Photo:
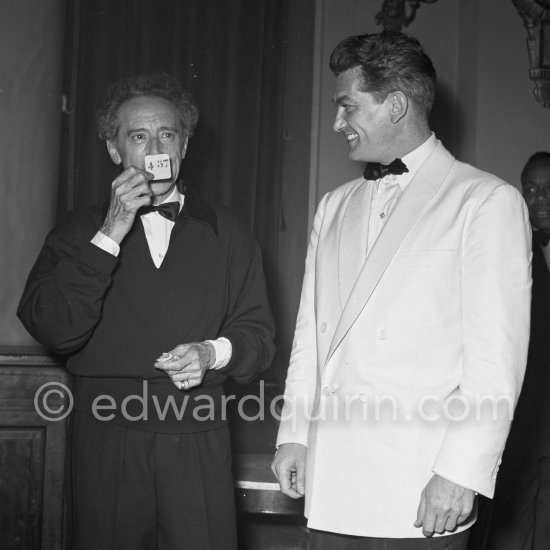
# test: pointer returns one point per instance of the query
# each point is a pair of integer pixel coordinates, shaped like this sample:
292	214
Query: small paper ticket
159	166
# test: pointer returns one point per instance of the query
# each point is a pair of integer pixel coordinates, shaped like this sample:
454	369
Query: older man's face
149	126
535	181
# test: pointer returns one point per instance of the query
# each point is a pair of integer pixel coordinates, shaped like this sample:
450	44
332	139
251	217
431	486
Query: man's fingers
285	480
193	380
301	479
197	357
443	505
292	493
287	484
183	366
289	468
463	517
435	520
451	523
131	177
421	511
441	521
131	189
173	361
428	523
132	198
174	366
184	385
467	505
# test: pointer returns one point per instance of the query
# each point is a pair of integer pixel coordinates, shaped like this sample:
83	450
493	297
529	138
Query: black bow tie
541	238
169	210
375	170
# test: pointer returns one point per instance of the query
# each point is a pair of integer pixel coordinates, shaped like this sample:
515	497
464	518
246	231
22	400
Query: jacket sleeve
302	372
63	297
248	325
496	294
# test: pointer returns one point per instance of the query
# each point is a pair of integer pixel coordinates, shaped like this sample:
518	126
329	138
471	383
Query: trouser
521	511
322	540
140	490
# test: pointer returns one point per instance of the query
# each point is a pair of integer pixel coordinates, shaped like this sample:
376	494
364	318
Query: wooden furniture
32	451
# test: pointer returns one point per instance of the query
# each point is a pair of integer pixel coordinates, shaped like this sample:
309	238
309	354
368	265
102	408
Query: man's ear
399	106
113	152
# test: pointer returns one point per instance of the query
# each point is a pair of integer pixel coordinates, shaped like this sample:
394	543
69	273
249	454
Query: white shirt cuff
106	243
223	349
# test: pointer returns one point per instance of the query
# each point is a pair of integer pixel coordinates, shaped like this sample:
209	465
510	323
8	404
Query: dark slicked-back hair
389	61
153	85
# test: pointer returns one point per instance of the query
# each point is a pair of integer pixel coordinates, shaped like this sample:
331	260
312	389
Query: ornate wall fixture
536	17
394	16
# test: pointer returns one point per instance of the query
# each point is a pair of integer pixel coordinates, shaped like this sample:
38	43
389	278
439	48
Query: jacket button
326	391
324	327
383	334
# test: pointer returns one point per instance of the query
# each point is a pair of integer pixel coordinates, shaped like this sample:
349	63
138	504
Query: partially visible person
156	297
521	508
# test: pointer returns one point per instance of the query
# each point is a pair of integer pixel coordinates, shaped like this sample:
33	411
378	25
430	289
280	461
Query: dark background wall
31	58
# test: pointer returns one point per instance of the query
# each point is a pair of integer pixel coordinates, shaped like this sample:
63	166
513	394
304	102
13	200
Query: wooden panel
21	484
32	451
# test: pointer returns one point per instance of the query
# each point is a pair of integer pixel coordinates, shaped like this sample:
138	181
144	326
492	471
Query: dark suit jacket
529	438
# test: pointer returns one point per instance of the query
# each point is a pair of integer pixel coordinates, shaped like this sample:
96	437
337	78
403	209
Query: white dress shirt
388	190
157	230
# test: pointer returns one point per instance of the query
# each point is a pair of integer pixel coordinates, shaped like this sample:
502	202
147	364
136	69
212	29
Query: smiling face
366	123
535	181
149	126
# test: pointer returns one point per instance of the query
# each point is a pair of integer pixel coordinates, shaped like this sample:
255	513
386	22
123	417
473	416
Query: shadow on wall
446	119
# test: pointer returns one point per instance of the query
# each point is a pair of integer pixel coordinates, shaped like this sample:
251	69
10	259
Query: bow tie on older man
168	210
376	170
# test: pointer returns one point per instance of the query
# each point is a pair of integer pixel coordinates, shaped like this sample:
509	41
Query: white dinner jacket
398	359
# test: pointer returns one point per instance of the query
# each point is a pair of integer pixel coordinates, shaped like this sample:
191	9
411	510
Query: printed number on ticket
159	166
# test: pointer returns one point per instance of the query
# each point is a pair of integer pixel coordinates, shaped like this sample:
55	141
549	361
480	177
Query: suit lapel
352	242
412	203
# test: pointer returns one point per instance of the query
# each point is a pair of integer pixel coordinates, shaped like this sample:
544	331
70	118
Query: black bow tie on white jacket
376	170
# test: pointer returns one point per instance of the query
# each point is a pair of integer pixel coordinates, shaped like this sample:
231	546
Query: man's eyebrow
145	130
136	130
170	129
341	99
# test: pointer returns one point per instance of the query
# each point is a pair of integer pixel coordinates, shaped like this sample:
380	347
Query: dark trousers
322	540
139	490
521	511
